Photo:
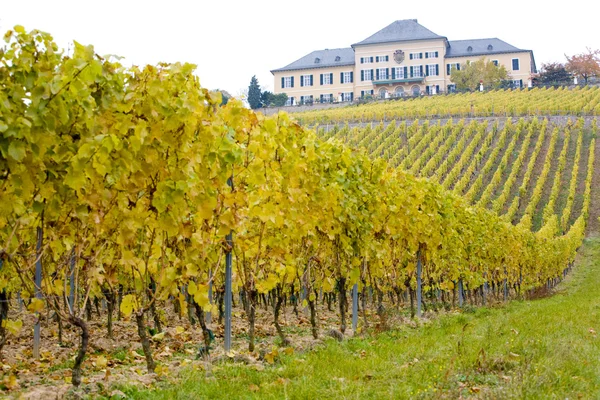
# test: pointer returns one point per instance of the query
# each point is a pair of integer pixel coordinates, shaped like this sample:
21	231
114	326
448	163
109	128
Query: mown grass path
545	348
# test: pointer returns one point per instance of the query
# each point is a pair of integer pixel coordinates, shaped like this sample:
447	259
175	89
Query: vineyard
498	103
528	172
134	207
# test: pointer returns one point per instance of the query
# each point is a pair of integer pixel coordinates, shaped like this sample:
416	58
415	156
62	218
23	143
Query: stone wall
294	109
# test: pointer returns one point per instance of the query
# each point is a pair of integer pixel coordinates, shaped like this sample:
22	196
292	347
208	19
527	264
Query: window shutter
447	69
421	69
301	81
411	55
427	55
311	81
421	55
458	66
427	70
362	60
393	73
411	72
437	69
405	72
387	73
292	81
341	77
371	59
321	99
371	74
301	99
362	93
437	88
377	72
351	76
282	82
362	75
321	79
520	83
436	54
377	59
351	96
387	58
331	78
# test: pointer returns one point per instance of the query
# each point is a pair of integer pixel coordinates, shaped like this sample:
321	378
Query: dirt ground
120	360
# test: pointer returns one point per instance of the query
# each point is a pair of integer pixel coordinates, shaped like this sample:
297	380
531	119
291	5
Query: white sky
232	40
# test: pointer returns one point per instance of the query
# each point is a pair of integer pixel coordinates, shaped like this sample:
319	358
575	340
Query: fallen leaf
289	351
253	388
10	382
101	362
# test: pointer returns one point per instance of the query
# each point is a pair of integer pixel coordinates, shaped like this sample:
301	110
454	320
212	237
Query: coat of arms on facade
399	56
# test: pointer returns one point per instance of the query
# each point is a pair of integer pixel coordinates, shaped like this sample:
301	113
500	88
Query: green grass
544	349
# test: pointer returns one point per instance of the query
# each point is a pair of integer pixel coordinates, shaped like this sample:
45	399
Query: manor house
404	58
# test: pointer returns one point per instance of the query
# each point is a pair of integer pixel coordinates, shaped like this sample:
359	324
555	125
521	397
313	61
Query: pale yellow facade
523	73
321	85
421	66
405	88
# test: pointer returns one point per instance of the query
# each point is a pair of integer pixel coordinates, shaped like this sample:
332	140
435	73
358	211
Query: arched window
490	47
399	91
382	93
416	90
337	58
317	60
469	49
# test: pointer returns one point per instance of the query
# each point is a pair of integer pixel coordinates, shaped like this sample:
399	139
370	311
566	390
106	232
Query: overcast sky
232	40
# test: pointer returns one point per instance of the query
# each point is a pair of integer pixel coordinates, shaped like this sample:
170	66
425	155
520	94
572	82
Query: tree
266	98
279	100
225	96
254	94
472	74
554	74
585	65
269	99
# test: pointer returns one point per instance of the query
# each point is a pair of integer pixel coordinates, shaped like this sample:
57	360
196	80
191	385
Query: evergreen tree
254	95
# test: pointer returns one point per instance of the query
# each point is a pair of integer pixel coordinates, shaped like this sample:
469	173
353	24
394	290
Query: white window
306	80
367	76
515	64
287	81
306	99
382	58
451	88
516	83
431	54
431	70
326	79
326	98
364	93
416	71
290	101
383	73
347	96
366	60
416	56
347	77
495	62
399	73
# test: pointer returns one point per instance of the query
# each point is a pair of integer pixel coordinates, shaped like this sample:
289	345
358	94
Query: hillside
579	101
523	169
